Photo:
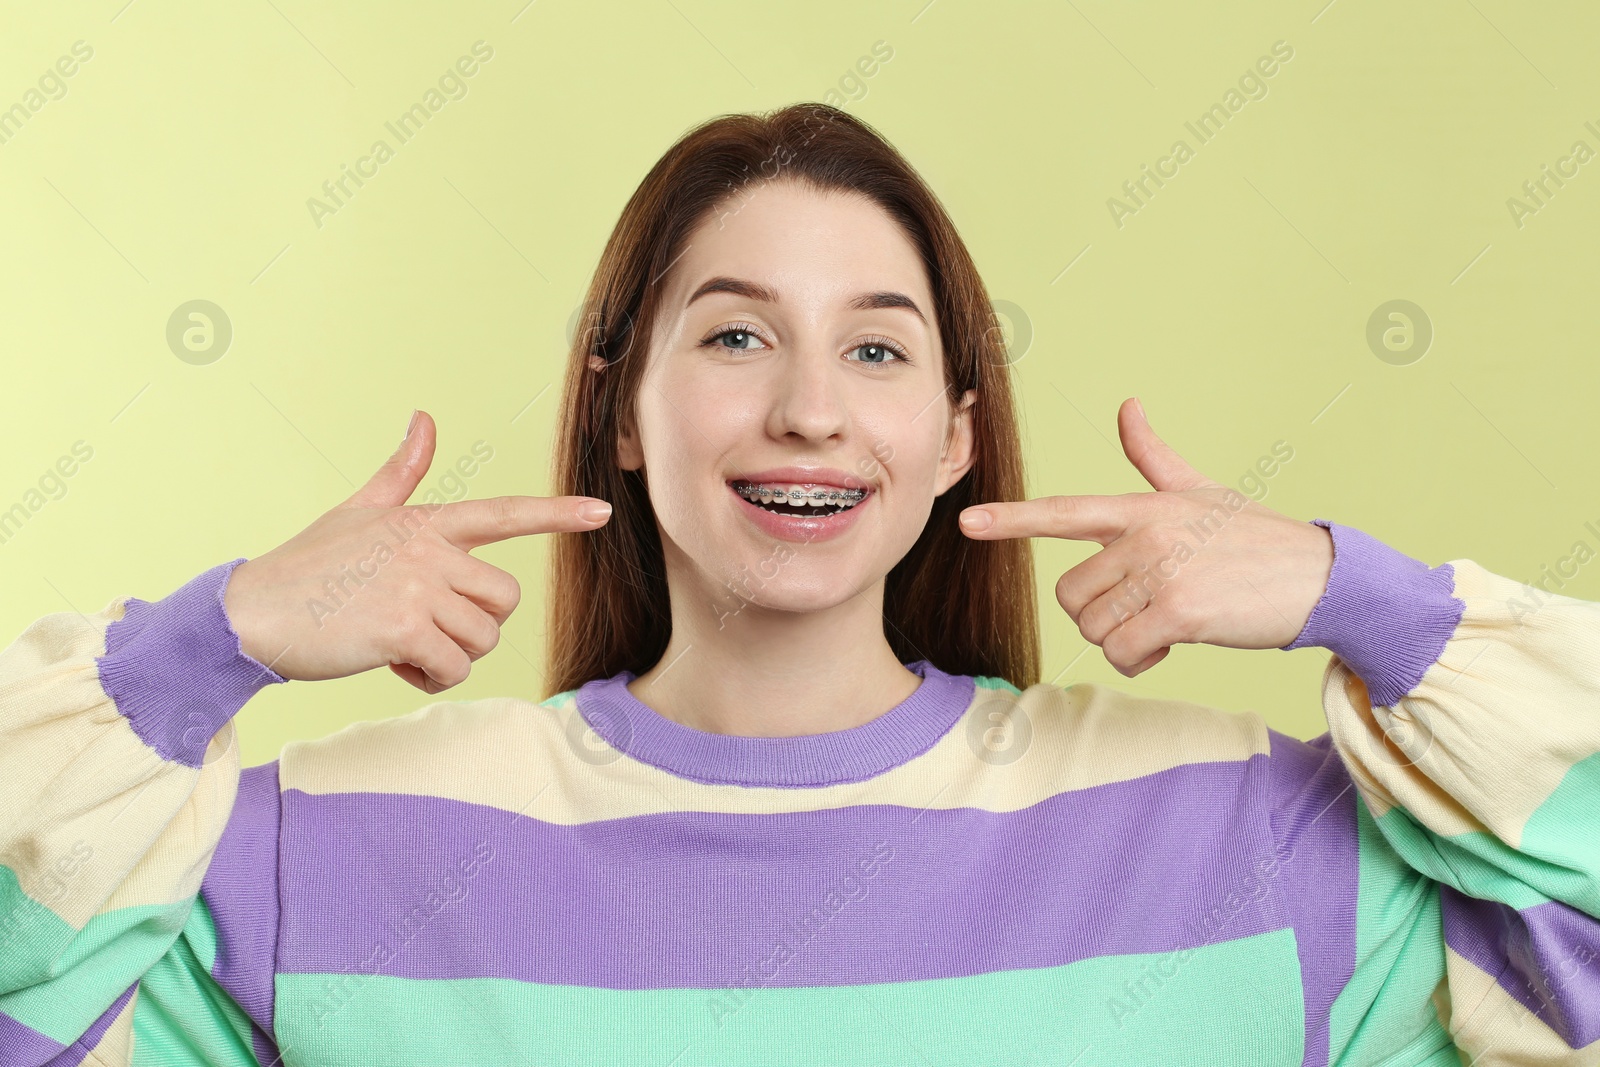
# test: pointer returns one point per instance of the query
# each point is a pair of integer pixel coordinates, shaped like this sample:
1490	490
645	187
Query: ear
630	453
630	456
960	448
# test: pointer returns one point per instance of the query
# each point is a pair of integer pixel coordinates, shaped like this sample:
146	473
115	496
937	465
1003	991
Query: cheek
901	449
688	441
686	406
911	483
904	462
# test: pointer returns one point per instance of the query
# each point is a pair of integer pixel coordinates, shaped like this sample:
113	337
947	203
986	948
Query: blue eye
747	336
743	333
742	337
881	349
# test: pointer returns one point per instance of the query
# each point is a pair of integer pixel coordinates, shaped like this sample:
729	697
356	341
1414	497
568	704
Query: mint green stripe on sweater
59	979
1558	858
1385	1006
1235	1002
1561	831
984	681
182	1018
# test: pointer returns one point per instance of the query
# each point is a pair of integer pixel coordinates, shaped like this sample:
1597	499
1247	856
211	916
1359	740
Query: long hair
966	606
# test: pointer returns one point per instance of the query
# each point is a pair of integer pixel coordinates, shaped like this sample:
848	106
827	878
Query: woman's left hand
1194	561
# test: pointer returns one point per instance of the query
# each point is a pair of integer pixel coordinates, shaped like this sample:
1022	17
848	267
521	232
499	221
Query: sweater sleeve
1465	709
119	774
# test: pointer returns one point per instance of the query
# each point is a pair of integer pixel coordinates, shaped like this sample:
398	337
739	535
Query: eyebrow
755	291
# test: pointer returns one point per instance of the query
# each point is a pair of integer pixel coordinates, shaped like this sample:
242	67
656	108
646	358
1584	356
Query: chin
777	589
804	604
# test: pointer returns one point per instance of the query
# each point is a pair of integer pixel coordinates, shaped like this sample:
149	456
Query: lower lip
804	528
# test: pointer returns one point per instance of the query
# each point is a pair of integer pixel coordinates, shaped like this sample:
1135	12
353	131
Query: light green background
179	162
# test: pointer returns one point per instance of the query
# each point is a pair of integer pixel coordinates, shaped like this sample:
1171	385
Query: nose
809	400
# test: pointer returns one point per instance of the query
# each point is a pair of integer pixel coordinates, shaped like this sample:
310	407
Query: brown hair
966	606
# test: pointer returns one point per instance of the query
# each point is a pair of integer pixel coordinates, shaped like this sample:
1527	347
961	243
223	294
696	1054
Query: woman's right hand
376	581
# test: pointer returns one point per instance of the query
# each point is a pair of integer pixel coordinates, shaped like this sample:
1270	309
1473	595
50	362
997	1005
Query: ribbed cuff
176	669
1386	615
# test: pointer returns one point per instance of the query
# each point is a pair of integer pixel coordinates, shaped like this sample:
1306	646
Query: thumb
395	481
1161	466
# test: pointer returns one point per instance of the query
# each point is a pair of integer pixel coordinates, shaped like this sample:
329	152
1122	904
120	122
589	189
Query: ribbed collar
906	730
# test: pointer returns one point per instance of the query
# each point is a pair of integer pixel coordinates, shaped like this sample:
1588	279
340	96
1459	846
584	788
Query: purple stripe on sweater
175	667
80	1048
1546	956
906	730
91	1037
426	887
1385	614
241	891
1314	822
23	1046
267	1054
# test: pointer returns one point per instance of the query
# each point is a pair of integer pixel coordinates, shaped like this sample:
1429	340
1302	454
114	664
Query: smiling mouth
798	498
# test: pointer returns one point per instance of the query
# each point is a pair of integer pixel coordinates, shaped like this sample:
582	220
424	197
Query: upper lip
829	476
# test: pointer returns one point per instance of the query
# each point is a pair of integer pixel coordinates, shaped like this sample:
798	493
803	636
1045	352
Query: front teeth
800	494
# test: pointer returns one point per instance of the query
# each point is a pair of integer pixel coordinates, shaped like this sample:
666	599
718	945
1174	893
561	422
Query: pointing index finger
1080	518
467	524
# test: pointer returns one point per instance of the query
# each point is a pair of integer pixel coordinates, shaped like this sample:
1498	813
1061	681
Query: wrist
1384	613
176	670
235	601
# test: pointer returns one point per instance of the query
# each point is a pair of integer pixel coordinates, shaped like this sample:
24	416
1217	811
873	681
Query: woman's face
796	348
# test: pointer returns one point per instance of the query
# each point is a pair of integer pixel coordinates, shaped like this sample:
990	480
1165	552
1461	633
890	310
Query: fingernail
1140	405
594	510
977	520
412	425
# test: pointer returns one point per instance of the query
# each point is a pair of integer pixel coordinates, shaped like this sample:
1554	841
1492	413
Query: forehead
816	249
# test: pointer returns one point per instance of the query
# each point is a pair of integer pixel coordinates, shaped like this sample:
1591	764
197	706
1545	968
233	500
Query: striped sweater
980	875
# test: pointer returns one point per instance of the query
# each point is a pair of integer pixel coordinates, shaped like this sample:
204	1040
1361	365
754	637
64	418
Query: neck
735	667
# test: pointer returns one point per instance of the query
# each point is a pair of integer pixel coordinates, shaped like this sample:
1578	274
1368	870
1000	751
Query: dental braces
817	496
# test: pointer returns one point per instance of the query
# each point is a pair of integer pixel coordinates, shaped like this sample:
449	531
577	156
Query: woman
796	793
